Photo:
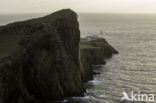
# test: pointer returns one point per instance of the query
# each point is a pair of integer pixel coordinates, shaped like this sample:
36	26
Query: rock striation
93	51
40	59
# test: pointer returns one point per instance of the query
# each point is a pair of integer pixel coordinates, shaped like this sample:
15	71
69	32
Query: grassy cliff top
93	43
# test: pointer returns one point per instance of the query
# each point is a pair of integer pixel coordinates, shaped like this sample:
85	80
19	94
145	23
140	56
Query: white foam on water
65	101
102	96
95	82
81	98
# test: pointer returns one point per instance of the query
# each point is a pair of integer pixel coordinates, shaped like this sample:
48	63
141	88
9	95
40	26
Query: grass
86	46
8	44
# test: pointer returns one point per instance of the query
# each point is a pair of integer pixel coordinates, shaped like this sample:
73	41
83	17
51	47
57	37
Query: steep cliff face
93	52
40	59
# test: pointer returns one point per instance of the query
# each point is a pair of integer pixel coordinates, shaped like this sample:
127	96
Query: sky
81	6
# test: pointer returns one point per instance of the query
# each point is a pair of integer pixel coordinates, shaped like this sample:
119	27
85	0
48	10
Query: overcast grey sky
92	6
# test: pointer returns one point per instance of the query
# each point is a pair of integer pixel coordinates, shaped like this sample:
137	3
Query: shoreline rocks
93	52
40	59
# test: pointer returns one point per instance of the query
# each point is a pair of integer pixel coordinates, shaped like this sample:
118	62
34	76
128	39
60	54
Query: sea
130	76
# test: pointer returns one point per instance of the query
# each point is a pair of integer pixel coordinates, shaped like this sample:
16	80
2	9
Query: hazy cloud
30	6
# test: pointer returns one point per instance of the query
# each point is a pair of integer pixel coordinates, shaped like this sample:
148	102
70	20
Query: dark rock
93	51
41	61
44	63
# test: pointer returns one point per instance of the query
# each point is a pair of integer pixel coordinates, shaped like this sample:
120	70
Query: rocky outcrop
40	59
44	61
93	51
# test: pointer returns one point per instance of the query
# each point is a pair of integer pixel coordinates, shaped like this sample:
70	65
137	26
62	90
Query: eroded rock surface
40	59
93	51
43	62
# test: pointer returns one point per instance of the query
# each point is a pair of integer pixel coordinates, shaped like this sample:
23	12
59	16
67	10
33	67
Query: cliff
93	51
40	59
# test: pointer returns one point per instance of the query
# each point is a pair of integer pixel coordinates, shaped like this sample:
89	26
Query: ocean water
132	70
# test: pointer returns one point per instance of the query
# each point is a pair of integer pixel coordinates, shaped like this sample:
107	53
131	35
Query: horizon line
18	13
